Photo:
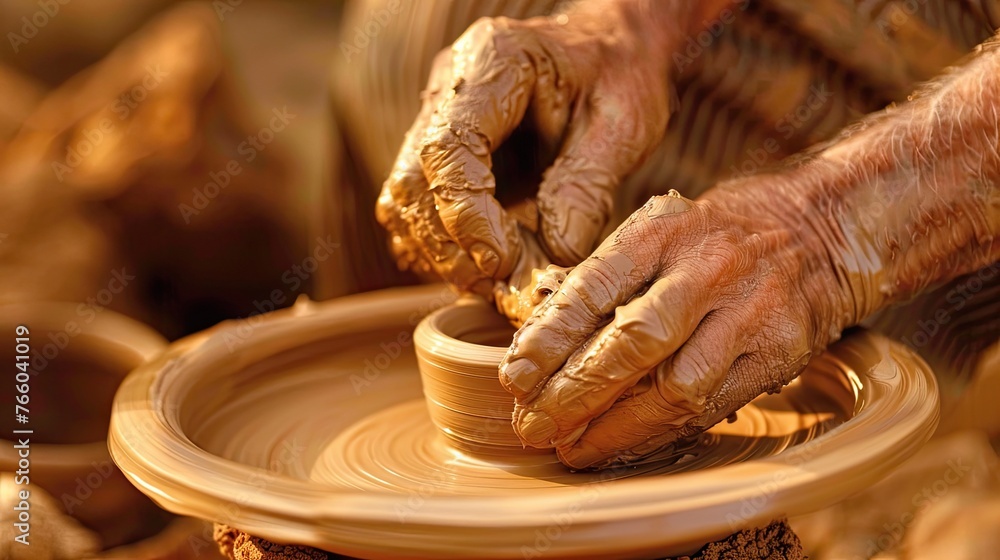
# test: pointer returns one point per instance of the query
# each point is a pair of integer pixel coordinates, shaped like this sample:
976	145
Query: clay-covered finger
587	296
604	144
399	195
443	255
687	403
494	76
644	333
406	182
672	404
406	207
624	265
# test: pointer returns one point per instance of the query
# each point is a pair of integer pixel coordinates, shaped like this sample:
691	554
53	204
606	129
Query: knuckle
483	26
441	63
436	140
640	337
593	285
683	384
692	364
386	212
500	34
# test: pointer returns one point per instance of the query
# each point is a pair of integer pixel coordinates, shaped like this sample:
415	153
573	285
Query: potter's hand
690	310
593	82
712	302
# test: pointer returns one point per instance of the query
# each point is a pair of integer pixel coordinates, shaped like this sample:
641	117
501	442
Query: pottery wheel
308	425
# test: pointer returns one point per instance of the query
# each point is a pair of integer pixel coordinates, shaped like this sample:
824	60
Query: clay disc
308	426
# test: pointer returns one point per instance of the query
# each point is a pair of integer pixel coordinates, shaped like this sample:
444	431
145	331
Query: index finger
492	85
627	262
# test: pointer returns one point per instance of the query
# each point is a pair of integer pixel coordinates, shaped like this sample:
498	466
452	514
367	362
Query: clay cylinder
459	349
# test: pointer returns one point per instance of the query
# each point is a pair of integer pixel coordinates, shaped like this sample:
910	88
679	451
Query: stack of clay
459	349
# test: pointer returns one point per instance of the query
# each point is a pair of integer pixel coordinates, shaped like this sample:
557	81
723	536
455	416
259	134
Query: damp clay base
309	426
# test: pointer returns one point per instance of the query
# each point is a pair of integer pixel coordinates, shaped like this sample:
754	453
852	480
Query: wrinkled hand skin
590	81
693	308
689	309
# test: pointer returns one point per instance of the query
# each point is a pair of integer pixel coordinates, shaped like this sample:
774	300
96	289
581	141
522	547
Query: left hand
690	310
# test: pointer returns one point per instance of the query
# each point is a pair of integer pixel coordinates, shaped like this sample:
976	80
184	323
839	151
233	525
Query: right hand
590	83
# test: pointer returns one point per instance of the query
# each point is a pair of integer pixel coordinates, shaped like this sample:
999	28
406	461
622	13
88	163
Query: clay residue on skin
529	287
909	198
767	272
438	202
657	336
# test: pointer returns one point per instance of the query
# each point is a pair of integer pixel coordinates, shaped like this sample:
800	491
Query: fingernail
582	455
537	428
485	257
520	374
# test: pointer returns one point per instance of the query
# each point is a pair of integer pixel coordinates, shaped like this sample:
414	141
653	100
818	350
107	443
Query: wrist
823	208
796	205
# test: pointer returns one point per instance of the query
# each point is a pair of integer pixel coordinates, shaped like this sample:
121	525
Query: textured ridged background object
308	426
80	355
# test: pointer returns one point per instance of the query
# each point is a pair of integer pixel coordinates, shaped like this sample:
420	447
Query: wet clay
325	407
714	301
438	202
659	334
815	258
460	346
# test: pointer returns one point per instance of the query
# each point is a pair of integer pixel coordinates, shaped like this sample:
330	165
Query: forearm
912	197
